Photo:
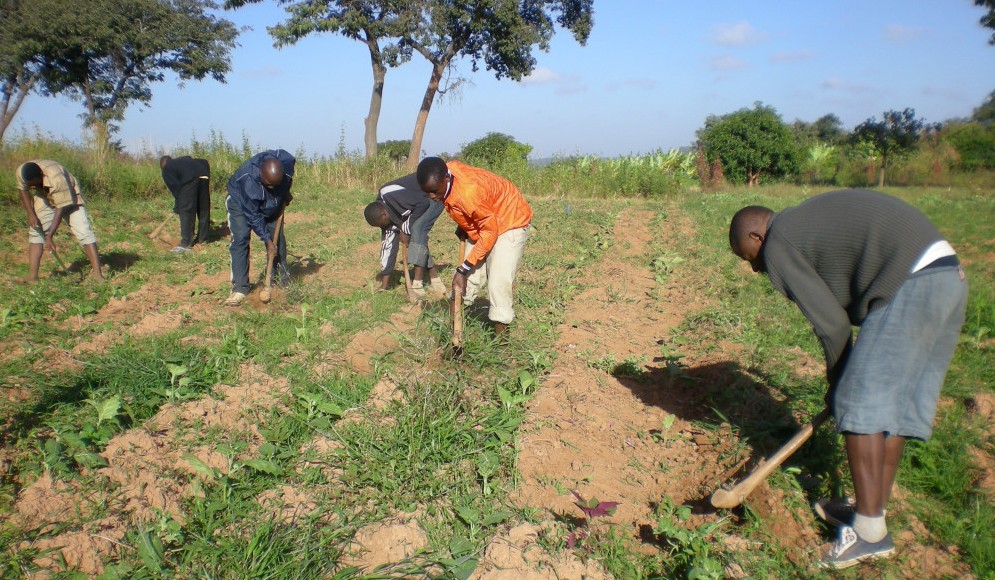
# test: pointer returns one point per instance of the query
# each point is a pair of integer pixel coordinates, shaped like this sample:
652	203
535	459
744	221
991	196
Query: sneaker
850	550
835	512
180	250
235	299
418	289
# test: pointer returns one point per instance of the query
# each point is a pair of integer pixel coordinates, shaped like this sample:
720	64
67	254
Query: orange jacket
485	206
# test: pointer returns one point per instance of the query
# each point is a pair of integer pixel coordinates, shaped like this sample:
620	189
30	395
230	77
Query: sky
650	74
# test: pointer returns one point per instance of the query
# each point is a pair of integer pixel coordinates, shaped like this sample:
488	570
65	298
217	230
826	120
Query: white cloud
739	34
901	33
563	85
727	62
541	76
838	84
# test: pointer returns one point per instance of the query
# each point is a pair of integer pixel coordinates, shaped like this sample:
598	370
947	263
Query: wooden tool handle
730	498
458	305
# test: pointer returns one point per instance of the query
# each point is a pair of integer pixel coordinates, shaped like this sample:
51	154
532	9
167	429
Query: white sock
871	529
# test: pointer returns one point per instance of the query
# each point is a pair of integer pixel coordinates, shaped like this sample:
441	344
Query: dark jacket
259	204
181	176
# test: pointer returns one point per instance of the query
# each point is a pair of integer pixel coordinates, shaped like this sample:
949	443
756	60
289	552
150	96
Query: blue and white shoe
850	550
835	512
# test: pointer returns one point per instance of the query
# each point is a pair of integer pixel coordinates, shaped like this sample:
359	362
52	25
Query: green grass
444	451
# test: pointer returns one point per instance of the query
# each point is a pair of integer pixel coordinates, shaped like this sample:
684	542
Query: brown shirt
60	188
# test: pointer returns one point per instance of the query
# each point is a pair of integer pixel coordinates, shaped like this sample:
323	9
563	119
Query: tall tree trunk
881	175
376	100
414	153
14	92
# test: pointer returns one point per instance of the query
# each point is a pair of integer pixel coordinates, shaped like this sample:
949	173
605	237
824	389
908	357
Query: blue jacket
258	204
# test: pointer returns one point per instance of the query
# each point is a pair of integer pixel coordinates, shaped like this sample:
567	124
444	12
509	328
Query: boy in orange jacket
494	219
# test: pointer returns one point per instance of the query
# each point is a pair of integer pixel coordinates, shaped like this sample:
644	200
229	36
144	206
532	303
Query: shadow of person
725	392
118	261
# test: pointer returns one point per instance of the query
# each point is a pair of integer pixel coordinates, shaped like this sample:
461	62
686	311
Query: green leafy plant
689	550
591	508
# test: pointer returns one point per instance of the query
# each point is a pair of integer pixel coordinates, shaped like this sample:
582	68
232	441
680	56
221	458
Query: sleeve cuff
465	268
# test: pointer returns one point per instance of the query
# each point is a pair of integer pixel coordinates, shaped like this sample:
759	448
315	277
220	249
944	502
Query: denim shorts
891	381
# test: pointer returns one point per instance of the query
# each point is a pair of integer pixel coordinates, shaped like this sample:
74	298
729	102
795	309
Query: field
147	430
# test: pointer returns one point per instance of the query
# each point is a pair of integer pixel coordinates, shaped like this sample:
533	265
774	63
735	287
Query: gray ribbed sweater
840	255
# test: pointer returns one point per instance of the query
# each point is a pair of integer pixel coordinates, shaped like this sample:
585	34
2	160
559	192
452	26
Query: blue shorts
891	381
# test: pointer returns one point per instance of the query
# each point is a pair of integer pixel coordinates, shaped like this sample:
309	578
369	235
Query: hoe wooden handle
407	275
458	307
730	498
155	233
267	292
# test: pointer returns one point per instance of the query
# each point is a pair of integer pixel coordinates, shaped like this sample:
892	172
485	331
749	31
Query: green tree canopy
114	50
499	34
496	149
396	150
985	113
751	144
25	54
895	135
988	20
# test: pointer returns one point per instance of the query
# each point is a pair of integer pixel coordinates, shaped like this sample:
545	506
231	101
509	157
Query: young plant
592	508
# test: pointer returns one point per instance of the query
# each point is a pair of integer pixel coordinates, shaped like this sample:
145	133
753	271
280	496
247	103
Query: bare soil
615	420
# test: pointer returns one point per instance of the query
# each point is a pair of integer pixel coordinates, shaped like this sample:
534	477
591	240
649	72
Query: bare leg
91	254
420	274
866	456
893	449
34	260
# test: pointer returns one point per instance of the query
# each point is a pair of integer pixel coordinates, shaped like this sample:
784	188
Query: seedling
592	508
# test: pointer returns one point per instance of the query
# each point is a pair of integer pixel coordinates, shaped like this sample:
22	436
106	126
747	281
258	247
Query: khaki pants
497	273
79	223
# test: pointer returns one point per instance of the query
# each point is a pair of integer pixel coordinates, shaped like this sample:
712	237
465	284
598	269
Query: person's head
32	175
376	215
164	160
271	173
747	233
433	177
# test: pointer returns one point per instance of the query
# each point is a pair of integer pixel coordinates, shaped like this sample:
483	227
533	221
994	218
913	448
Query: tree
988	20
895	135
395	150
379	24
118	48
751	144
25	51
496	149
498	33
985	113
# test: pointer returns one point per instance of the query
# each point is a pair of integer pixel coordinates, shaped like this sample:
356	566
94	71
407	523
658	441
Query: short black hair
748	219
30	171
431	170
374	212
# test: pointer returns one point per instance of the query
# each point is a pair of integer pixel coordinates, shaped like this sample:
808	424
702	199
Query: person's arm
56	220
802	285
172	180
29	208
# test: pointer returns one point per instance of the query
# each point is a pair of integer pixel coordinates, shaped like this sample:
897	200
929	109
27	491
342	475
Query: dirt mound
366	346
149	471
516	554
384	543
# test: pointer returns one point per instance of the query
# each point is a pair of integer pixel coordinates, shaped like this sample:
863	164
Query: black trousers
194	204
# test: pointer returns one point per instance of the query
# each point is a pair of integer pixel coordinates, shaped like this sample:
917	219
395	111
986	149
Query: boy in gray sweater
861	258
